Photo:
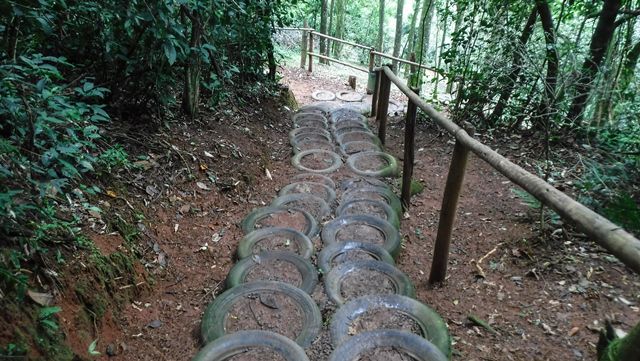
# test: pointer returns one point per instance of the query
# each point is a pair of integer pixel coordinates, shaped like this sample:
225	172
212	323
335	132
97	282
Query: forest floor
544	297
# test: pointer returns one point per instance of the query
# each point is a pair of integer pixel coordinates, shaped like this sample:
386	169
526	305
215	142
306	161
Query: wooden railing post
303	46
383	105
376	93
372	59
409	152
310	51
448	213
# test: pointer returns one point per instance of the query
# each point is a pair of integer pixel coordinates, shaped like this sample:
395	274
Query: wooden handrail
400	60
338	61
616	240
342	41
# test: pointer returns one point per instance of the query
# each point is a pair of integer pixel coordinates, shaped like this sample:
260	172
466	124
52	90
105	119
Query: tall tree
323	29
340	17
424	35
398	36
330	28
380	43
600	41
516	67
460	11
411	38
551	57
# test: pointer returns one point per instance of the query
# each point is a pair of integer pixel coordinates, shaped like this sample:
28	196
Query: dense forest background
561	72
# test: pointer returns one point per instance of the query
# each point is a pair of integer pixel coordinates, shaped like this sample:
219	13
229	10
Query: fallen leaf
203	167
155	324
151	190
175	228
112	194
43	299
266	171
573	331
184	209
269	301
207	154
202	186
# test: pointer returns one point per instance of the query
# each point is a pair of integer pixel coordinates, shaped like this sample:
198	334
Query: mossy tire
391	242
416	346
336	161
247	245
213	321
333	280
432	326
329	253
239	342
248	224
243	268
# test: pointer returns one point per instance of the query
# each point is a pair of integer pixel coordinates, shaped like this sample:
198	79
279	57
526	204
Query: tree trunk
398	37
516	67
548	104
323	29
380	43
600	40
330	28
442	42
191	91
411	38
456	28
629	67
340	13
425	28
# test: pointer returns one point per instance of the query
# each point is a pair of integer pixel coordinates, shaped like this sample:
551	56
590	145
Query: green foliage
45	317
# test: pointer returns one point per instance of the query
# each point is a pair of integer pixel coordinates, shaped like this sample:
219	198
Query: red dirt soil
544	297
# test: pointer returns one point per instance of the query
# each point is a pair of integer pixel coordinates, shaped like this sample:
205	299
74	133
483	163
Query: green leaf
51	324
92	348
46	312
169	52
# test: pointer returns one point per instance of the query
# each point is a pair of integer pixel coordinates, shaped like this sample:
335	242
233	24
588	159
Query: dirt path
544	297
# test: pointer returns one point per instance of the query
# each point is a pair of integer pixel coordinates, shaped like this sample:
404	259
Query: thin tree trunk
380	43
516	68
398	36
551	58
600	40
323	29
191	91
439	57
456	28
340	13
330	28
411	40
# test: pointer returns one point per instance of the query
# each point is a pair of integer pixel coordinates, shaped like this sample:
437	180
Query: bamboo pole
610	236
409	154
383	106
303	46
341	41
339	62
376	93
310	52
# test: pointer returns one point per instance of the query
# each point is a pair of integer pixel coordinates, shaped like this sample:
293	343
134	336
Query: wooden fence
610	236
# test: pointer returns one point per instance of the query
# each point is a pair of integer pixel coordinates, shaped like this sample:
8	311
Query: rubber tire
330	252
307	270
319	108
419	348
303	130
306	145
392	215
249	222
373	148
373	138
358	182
391	198
329	196
390	170
305	245
337	161
310	114
333	279
340	132
213	325
340	96
391	234
282	201
433	327
315	178
240	341
344	113
312	122
350	123
331	95
314	137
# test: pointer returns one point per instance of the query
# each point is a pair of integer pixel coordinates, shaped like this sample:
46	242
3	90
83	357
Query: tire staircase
343	208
